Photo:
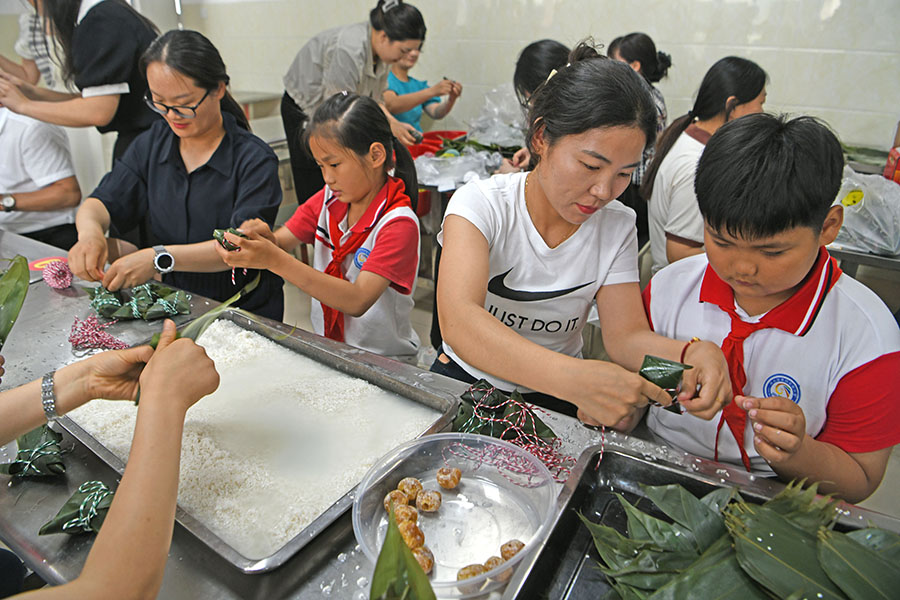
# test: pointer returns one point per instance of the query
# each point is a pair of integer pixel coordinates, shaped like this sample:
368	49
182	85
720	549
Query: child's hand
254	251
444	87
456	90
778	424
710	372
521	158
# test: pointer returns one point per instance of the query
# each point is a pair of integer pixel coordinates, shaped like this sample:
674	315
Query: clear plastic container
505	493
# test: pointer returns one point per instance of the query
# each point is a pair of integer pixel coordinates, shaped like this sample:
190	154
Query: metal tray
404	380
563	568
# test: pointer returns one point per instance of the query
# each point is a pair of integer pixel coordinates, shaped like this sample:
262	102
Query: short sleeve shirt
33	45
239	182
414	115
107	45
673	204
542	293
333	61
33	155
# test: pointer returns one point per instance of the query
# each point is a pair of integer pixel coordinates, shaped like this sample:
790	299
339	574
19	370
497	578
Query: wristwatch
8	203
164	262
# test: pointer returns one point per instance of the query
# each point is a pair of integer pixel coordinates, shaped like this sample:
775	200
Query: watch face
164	261
8	202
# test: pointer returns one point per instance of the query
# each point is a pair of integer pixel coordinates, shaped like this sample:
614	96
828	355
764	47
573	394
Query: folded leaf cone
38	455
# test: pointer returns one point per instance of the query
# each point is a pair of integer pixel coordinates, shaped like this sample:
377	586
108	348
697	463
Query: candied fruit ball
403	512
428	500
494	562
424	557
468	572
448	478
510	549
411	534
397	498
411	487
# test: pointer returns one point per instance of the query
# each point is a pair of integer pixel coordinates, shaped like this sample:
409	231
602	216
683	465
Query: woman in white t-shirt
732	88
524	255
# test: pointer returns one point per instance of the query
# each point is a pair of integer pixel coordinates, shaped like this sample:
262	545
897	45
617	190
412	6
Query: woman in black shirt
197	170
99	44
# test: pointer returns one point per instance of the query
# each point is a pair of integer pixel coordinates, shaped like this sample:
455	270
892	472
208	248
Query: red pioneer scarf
391	196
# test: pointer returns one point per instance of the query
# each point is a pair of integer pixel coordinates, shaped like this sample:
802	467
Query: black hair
59	17
356	122
764	174
400	21
193	55
729	76
591	92
640	47
534	64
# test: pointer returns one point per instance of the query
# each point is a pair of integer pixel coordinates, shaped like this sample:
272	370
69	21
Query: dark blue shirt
238	182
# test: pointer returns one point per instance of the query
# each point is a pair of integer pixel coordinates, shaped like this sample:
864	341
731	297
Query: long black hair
400	21
640	47
729	76
535	62
590	92
356	122
59	17
193	55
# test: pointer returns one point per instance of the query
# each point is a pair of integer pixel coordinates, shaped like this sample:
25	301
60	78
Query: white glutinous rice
282	439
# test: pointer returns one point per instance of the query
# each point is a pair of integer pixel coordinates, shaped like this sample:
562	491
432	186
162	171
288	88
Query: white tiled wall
837	59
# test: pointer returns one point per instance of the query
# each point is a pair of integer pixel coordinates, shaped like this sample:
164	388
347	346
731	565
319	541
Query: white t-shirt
543	293
33	154
833	348
673	204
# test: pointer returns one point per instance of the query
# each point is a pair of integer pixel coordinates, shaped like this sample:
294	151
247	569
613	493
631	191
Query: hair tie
389	4
690	114
550	76
344	92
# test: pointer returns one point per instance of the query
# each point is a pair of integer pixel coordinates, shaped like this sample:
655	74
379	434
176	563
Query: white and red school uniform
391	249
833	348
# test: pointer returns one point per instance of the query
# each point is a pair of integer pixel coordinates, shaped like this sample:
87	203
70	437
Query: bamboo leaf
802	507
666	536
776	553
13	287
719	498
398	574
613	547
887	543
859	571
38	455
716	575
705	524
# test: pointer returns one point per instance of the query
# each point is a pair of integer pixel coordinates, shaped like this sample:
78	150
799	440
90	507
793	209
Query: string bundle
57	275
89	334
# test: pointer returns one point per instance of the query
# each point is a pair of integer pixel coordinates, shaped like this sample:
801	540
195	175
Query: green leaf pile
721	546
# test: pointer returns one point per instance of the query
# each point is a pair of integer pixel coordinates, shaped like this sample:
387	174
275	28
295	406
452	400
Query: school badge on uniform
782	385
361	256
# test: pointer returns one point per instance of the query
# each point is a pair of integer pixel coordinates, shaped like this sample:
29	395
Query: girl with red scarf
363	228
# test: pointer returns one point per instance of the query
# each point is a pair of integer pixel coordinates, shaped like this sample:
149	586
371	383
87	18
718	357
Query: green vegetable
38	455
859	571
219	235
398	575
13	287
83	512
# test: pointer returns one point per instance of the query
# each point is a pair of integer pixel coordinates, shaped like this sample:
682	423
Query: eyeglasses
185	112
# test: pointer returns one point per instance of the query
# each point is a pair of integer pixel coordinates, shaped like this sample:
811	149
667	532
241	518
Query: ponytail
731	76
405	170
229	105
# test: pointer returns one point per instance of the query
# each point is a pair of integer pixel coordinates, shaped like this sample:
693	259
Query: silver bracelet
48	397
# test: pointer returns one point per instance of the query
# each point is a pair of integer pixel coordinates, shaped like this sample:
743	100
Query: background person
407	97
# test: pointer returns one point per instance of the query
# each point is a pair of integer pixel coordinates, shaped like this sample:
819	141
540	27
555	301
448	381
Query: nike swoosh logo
497	287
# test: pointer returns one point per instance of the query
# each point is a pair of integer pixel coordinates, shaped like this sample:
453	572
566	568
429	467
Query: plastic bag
501	120
871	214
449	172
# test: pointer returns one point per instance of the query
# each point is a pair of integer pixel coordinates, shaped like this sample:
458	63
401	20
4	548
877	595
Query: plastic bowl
505	493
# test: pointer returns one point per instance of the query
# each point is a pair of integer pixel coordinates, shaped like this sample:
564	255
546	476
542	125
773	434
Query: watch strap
48	396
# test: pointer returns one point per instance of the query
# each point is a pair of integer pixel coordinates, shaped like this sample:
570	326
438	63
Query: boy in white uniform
814	356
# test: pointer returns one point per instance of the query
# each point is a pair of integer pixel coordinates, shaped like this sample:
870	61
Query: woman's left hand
254	251
130	270
10	95
710	372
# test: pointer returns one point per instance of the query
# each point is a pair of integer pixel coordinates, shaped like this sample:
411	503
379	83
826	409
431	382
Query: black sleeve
103	48
258	193
123	191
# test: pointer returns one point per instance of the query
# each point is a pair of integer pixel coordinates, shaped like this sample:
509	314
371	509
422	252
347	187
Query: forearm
21	409
92	219
129	555
14	68
682	248
196	258
70	110
399	103
628	350
339	294
439	111
836	470
61	194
